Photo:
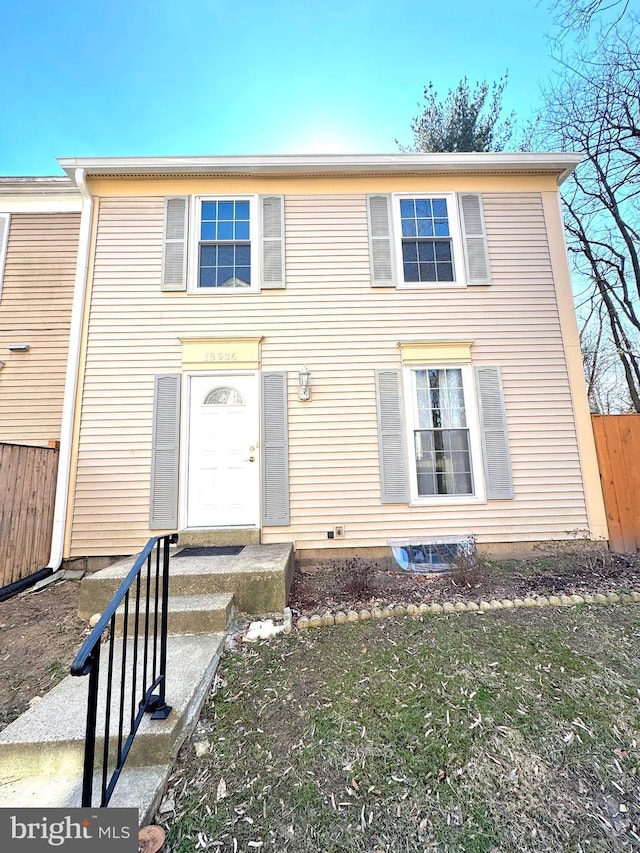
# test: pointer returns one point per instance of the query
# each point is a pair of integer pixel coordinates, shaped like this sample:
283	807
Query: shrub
357	577
469	568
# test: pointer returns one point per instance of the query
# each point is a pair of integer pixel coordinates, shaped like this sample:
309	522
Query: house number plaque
221	356
220	353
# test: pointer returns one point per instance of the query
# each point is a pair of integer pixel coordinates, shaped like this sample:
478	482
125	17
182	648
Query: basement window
428	556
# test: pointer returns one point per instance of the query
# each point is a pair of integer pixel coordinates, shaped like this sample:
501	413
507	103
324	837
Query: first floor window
441	440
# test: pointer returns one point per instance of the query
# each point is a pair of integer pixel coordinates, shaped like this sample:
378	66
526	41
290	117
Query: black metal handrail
140	671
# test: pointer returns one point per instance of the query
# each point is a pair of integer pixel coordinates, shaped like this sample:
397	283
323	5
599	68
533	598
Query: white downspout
71	379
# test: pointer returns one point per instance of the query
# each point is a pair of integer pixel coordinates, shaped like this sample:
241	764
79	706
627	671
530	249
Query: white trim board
66	203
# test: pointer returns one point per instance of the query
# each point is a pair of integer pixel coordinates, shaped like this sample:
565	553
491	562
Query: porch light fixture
1	364
303	379
18	347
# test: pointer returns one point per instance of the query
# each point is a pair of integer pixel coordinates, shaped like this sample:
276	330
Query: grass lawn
513	731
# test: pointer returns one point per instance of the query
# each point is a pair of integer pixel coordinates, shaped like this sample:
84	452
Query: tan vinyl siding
35	308
332	320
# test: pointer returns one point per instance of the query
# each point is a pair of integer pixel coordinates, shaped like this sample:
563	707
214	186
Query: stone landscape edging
341	617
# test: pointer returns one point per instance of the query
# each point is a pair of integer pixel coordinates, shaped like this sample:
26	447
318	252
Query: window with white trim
443	438
224	243
428	246
427	240
427	254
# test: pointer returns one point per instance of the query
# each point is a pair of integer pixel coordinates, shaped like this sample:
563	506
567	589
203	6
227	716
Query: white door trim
185	425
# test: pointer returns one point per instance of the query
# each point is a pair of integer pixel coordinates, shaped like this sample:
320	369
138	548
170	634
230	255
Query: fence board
27	496
618	447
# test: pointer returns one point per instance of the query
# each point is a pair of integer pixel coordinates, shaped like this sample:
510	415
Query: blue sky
162	77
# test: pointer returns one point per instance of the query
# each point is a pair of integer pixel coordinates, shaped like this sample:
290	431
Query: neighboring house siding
331	319
35	308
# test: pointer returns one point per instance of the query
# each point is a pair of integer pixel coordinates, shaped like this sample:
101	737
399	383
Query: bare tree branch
594	107
580	15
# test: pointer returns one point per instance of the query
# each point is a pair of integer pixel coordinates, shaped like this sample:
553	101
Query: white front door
223	468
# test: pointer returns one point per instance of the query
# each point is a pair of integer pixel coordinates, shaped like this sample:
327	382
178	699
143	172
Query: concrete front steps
41	753
188	614
231	536
258	577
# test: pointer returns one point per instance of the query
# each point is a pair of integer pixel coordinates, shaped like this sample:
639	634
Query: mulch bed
358	583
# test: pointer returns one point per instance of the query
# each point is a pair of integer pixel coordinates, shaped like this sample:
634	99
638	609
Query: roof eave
560	164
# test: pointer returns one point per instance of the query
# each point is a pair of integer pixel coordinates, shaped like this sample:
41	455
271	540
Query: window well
427	556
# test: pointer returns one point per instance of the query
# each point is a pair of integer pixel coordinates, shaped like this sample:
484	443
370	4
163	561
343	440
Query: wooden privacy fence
618	448
27	496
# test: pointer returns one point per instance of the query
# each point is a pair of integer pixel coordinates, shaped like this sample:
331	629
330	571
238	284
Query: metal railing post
161	711
90	731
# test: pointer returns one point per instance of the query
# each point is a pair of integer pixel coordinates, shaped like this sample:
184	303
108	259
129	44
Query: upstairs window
428	241
225	243
427	251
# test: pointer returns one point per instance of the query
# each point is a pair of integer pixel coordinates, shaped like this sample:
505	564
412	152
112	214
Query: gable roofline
38	186
560	164
39	195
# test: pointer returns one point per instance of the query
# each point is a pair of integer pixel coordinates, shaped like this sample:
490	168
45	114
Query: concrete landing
259	578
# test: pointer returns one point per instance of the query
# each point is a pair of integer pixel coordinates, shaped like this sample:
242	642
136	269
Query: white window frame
473	425
255	241
6	217
455	231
